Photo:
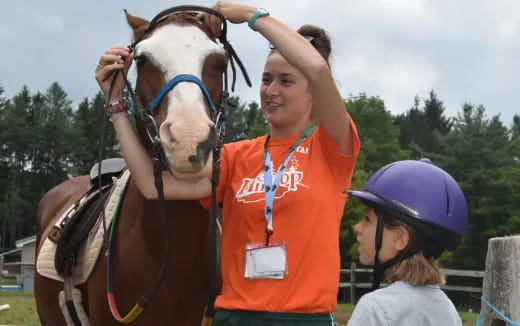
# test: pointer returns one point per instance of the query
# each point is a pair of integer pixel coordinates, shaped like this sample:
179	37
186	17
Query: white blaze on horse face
178	50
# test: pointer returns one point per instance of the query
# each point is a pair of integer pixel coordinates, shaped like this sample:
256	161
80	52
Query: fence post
501	285
352	282
1	268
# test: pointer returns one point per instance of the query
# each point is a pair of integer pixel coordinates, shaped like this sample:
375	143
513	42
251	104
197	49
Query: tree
513	175
378	134
479	156
515	138
3	100
422	128
88	122
4	168
57	132
19	192
379	146
256	123
244	122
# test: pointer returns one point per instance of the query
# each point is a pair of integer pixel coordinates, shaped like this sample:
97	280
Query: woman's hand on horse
235	13
117	57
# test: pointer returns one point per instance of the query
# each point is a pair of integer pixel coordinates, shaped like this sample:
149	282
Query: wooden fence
353	285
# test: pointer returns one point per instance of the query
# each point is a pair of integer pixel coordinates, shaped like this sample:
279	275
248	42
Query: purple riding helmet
421	195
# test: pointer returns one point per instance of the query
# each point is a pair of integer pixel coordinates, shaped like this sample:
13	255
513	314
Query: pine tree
256	124
422	128
58	132
89	126
478	156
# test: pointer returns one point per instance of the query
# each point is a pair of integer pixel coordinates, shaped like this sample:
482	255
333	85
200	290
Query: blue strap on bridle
154	103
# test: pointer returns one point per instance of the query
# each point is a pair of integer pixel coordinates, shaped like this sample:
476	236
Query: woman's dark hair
318	38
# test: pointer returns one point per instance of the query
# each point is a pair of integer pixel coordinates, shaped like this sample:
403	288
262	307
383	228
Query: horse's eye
220	66
141	60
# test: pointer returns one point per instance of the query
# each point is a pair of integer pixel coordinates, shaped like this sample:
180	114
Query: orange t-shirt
307	213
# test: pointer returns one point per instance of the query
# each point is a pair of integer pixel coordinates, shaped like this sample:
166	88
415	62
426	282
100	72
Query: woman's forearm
136	157
328	103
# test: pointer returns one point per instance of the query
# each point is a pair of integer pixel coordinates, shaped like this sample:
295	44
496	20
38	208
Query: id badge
266	262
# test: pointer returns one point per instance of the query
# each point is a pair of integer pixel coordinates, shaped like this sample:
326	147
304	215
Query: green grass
468	317
346	307
22	311
8	281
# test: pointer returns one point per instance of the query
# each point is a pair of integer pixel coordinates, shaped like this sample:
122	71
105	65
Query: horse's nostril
193	159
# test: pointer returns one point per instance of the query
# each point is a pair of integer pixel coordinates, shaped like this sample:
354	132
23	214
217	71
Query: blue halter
154	103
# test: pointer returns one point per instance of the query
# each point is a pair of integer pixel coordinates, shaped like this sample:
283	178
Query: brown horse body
137	260
138	252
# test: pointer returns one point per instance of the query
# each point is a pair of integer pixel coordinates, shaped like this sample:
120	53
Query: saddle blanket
90	250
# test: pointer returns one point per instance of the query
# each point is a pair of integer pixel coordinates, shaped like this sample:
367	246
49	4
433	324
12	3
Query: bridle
145	113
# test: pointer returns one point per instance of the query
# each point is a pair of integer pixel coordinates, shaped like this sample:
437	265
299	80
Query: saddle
77	237
77	224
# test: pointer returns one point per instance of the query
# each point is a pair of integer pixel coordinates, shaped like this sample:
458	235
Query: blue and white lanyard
270	187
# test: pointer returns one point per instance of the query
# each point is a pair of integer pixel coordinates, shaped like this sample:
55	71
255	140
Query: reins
145	113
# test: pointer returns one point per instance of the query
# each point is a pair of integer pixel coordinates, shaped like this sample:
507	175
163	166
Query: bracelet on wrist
121	105
261	12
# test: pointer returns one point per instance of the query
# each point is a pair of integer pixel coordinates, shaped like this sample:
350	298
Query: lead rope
158	164
146	297
220	121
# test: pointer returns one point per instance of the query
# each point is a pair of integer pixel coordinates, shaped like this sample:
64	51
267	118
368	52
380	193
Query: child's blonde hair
417	269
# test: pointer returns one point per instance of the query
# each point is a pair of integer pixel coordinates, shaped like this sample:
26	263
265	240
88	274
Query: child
414	211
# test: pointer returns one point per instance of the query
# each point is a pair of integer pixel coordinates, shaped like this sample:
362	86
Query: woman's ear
401	238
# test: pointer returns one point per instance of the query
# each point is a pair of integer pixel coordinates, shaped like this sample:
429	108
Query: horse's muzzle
203	150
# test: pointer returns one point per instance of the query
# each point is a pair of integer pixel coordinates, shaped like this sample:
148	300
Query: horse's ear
138	24
204	26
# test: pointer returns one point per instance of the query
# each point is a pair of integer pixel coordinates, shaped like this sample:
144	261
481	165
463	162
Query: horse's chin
203	173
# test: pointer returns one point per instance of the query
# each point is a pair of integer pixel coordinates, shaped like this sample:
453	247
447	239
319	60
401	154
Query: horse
178	44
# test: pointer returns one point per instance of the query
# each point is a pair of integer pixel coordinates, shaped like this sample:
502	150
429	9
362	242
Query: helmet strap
379	268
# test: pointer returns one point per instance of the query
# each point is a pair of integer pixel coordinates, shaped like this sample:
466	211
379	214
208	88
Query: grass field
23	311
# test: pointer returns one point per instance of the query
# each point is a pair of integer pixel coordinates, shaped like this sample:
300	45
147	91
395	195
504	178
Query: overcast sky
466	50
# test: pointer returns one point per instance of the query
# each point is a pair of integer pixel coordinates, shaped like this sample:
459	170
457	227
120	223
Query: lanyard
270	186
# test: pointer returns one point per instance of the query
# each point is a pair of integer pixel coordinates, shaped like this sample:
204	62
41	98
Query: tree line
44	140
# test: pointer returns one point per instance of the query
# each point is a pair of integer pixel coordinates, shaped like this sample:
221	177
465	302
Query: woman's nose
272	89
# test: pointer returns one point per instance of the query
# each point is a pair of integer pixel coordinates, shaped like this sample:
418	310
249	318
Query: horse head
178	46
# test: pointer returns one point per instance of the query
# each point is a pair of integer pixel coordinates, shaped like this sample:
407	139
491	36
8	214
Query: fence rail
352	284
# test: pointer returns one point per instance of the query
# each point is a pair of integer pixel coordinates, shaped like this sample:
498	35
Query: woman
414	211
280	255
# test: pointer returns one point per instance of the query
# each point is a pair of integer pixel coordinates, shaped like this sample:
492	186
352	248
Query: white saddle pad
89	251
